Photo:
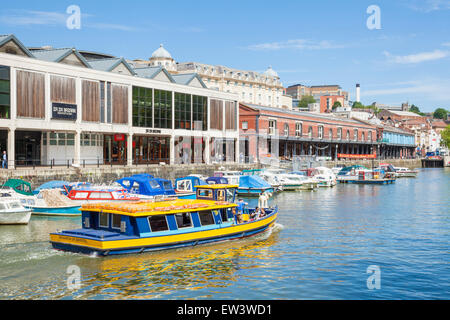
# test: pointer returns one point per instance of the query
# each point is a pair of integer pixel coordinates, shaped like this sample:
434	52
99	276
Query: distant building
297	91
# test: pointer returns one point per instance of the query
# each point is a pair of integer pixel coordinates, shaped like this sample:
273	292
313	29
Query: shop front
115	149
151	149
28	148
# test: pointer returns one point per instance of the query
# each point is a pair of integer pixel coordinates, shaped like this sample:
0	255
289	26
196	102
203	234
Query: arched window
330	134
310	132
339	134
320	132
348	135
362	136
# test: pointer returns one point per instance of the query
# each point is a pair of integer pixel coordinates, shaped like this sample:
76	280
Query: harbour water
321	248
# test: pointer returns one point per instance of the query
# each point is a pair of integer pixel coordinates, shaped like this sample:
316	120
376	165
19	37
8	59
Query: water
321	248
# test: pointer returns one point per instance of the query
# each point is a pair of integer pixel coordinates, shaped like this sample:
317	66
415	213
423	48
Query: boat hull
12	218
72	211
86	245
252	192
369	181
186	195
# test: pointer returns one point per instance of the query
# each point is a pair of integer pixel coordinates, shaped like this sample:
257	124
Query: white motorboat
405	172
13	212
271	179
294	182
325	176
337	169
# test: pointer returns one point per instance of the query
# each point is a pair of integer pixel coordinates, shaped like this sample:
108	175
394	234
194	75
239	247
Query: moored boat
145	186
13	212
51	202
324	176
113	228
405	172
253	186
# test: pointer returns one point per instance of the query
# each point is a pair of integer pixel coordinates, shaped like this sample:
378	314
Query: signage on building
64	111
152	131
357	156
119	137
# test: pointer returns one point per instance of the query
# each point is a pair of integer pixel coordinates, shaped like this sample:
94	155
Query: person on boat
263	200
241	206
238	216
255	214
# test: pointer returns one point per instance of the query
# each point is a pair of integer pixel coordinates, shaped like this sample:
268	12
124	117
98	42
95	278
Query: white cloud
295	44
52	19
418	57
428	5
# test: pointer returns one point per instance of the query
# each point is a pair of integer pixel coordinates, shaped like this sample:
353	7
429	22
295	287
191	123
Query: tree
445	136
336	105
415	109
305	100
440	113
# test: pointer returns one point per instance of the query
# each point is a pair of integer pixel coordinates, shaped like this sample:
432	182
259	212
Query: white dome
161	53
271	73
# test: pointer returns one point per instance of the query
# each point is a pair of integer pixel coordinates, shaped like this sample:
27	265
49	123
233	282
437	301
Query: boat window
158	223
183	220
104	220
167	185
2	206
154	184
95	195
116	221
205	193
230	195
81	195
15	205
206	218
223	215
221	195
184	185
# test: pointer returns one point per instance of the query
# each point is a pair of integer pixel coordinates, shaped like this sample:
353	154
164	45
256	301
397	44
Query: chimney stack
358	93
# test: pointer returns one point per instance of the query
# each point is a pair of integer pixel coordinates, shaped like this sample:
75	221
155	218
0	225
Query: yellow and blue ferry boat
136	227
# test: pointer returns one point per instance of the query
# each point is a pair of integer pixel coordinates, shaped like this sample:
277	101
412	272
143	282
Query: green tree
415	109
305	100
445	136
440	113
336	104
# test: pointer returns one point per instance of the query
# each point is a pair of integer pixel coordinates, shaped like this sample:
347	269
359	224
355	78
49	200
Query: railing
68	163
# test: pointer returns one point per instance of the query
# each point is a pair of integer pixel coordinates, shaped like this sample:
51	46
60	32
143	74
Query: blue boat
53	202
217	180
186	187
253	186
147	185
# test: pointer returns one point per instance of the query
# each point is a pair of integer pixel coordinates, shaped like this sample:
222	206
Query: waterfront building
62	106
271	133
395	142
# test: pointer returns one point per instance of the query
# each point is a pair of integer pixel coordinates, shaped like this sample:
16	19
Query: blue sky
309	42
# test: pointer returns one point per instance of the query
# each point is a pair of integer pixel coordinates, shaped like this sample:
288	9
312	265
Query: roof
8	37
439	124
56	55
187	78
218	186
329	117
152	72
404	113
150	208
110	64
161	53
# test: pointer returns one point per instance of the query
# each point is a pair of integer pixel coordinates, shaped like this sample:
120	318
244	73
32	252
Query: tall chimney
358	93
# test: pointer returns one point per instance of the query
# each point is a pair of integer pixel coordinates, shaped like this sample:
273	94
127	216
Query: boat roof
150	208
218	186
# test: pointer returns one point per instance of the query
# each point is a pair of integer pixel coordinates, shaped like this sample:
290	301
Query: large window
142	107
183	220
339	133
206	218
200	113
320	132
182	111
5	89
355	134
158	223
163	109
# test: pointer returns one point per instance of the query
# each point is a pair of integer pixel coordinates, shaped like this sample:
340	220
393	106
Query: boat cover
253	182
146	184
217	180
56	184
